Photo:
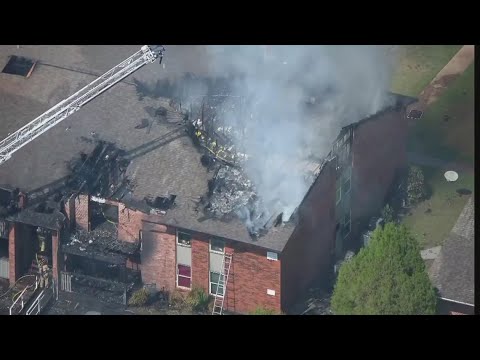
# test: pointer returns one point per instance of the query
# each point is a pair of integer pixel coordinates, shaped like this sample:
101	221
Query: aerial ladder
14	142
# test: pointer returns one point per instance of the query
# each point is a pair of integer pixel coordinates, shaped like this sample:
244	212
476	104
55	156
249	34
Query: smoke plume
286	105
297	98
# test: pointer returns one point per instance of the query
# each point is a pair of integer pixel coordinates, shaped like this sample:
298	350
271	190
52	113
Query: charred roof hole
44	208
163	203
100	173
18	65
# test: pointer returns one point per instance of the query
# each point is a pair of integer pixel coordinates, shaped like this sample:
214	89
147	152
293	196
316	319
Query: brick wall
200	261
129	223
309	252
379	149
56	258
82	212
251	275
158	256
13	253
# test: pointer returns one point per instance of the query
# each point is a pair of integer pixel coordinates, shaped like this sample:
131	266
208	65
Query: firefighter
44	273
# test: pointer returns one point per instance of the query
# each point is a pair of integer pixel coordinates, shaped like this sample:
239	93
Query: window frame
178	238
216	251
270	258
183	276
349	222
210	282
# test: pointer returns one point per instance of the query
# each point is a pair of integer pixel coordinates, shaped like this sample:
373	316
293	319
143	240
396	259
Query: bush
177	299
388	214
139	298
263	311
388	277
198	299
415	187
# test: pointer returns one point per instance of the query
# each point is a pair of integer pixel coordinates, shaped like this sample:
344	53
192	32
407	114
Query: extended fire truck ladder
222	284
14	142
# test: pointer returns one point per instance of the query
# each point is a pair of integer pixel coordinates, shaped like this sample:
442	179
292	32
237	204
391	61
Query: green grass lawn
418	65
451	140
431	228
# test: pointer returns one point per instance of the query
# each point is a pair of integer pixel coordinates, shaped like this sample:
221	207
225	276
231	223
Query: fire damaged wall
309	252
379	150
158	255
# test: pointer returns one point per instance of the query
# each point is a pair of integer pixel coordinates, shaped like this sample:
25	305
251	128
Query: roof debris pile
230	190
101	244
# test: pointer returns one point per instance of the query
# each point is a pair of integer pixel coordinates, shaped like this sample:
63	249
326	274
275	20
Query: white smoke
343	84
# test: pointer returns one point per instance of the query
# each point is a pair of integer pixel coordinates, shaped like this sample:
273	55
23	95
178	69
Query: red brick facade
309	251
82	212
12	253
379	150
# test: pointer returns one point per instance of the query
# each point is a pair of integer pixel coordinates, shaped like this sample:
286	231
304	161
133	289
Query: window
216	280
346	186
346	224
184	239
272	255
338	194
217	245
184	276
347	180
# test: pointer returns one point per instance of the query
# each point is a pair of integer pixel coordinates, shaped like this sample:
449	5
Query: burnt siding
309	252
379	150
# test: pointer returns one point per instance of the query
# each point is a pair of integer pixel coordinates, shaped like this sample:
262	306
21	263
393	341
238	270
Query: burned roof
50	220
452	272
145	131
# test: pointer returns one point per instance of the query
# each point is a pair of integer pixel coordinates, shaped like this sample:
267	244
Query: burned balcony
101	244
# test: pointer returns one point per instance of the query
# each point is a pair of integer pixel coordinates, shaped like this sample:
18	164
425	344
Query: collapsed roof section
100	244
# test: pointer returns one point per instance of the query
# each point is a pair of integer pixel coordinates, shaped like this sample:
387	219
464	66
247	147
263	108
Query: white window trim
339	190
210	283
180	244
178	275
349	224
269	253
216	251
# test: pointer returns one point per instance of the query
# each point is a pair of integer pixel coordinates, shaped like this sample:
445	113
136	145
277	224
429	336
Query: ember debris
100	241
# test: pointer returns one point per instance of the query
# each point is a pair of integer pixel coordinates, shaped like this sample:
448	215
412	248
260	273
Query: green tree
388	214
387	277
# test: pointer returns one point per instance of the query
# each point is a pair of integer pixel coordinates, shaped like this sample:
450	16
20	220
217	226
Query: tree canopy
387	277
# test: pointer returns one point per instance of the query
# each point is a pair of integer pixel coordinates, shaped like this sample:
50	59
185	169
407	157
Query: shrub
388	214
139	298
198	299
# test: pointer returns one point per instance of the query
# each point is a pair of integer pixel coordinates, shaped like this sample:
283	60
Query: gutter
458	302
